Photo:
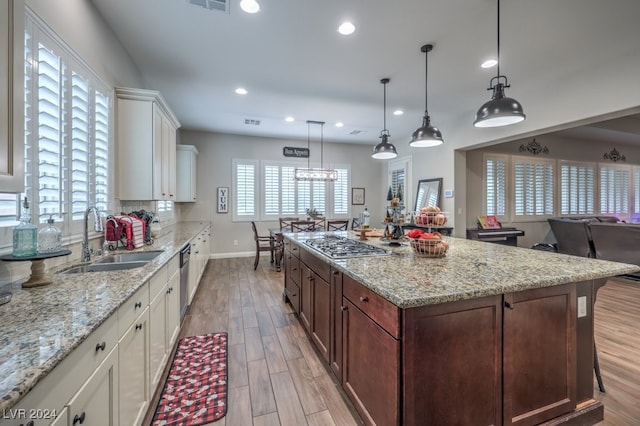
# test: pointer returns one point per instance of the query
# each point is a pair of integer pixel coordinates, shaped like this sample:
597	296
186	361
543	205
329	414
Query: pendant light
384	150
426	135
320	174
500	110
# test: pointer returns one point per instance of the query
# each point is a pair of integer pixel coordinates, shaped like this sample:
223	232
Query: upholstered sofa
600	237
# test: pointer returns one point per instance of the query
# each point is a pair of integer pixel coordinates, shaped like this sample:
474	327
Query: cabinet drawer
385	313
292	267
317	265
292	247
293	293
172	266
132	308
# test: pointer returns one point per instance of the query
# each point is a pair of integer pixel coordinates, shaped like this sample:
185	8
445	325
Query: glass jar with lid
49	238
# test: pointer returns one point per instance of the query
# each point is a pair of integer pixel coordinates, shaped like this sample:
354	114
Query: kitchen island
489	334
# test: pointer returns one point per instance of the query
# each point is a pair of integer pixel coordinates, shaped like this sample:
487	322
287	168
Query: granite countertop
42	325
471	269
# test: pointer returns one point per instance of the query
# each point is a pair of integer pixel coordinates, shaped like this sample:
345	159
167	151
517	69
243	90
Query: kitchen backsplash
17	272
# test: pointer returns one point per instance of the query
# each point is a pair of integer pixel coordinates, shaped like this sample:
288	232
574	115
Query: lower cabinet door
173	310
157	336
370	375
133	353
320	323
96	402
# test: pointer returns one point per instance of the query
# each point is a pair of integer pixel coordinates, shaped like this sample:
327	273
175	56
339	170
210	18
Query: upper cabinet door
11	96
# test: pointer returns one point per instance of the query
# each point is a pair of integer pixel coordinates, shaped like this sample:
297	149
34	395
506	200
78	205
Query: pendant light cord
426	81
384	107
322	146
498	39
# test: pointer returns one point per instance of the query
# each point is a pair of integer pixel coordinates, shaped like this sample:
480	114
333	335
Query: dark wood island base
521	358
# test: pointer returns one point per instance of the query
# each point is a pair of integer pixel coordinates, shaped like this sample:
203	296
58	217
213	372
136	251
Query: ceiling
293	62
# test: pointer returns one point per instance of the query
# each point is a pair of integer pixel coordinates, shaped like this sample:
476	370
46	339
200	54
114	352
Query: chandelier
315	174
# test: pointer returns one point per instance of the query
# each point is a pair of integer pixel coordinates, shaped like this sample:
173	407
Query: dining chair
355	223
285	222
263	243
320	223
337	225
303	226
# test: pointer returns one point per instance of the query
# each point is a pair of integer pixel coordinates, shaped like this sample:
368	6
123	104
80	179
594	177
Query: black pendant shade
500	110
385	149
426	135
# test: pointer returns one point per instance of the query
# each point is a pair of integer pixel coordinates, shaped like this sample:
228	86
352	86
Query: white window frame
403	165
39	33
260	184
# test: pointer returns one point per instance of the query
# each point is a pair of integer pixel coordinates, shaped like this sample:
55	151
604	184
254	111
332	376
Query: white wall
214	169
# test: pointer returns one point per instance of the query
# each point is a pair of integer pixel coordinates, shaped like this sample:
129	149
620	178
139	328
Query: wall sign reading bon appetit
290	151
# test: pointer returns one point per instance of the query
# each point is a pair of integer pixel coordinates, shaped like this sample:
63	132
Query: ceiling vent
251	122
221	5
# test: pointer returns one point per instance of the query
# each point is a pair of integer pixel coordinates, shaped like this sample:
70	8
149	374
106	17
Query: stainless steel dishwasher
185	253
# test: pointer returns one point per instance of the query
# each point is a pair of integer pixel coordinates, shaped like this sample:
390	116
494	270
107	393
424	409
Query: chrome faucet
86	251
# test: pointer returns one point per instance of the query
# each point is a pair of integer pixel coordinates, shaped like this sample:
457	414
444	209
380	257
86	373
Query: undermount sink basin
130	257
101	267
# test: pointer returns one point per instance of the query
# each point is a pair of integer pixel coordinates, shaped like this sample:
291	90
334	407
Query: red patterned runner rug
196	389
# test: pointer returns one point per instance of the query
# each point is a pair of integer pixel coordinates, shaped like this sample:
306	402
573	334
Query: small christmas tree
389	194
400	196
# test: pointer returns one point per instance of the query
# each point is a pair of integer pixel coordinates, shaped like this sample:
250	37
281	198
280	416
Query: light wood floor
617	330
277	378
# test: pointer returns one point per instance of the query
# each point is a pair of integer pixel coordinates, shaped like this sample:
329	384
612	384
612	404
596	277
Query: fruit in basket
431	236
439	219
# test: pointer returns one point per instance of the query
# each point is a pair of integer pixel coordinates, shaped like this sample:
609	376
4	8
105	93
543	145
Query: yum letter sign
223	199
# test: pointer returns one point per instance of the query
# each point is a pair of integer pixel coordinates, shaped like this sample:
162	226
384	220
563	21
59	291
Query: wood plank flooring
275	375
277	378
617	333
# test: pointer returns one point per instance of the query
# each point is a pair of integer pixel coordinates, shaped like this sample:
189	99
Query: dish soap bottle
49	238
365	218
25	235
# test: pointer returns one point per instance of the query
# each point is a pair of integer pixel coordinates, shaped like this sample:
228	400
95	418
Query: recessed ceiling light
289	119
346	28
241	91
398	112
489	63
250	6
339	124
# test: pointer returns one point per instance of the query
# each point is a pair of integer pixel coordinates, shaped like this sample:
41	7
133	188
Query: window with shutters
281	195
399	170
615	190
533	181
495	188
577	188
68	136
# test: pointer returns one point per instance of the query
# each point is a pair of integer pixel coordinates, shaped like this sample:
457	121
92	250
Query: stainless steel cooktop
340	247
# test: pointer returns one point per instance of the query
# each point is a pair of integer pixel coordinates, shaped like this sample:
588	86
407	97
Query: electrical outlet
235	242
582	306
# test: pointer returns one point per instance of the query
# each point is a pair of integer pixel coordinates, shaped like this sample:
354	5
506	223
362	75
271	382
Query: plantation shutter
79	146
577	188
50	133
101	151
341	192
245	180
271	190
533	184
288	191
614	190
319	197
496	187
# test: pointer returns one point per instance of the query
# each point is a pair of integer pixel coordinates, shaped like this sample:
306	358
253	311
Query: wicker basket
429	248
432	218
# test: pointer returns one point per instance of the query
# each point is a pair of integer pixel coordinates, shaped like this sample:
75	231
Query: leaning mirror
428	193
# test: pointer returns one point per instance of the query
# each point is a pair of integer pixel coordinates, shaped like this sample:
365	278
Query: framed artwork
223	199
357	196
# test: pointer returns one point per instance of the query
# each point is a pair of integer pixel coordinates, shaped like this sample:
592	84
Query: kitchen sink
101	267
129	257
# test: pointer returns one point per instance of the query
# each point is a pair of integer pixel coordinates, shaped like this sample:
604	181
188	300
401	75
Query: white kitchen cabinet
12	95
157	336
186	157
173	310
96	402
133	370
146	145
